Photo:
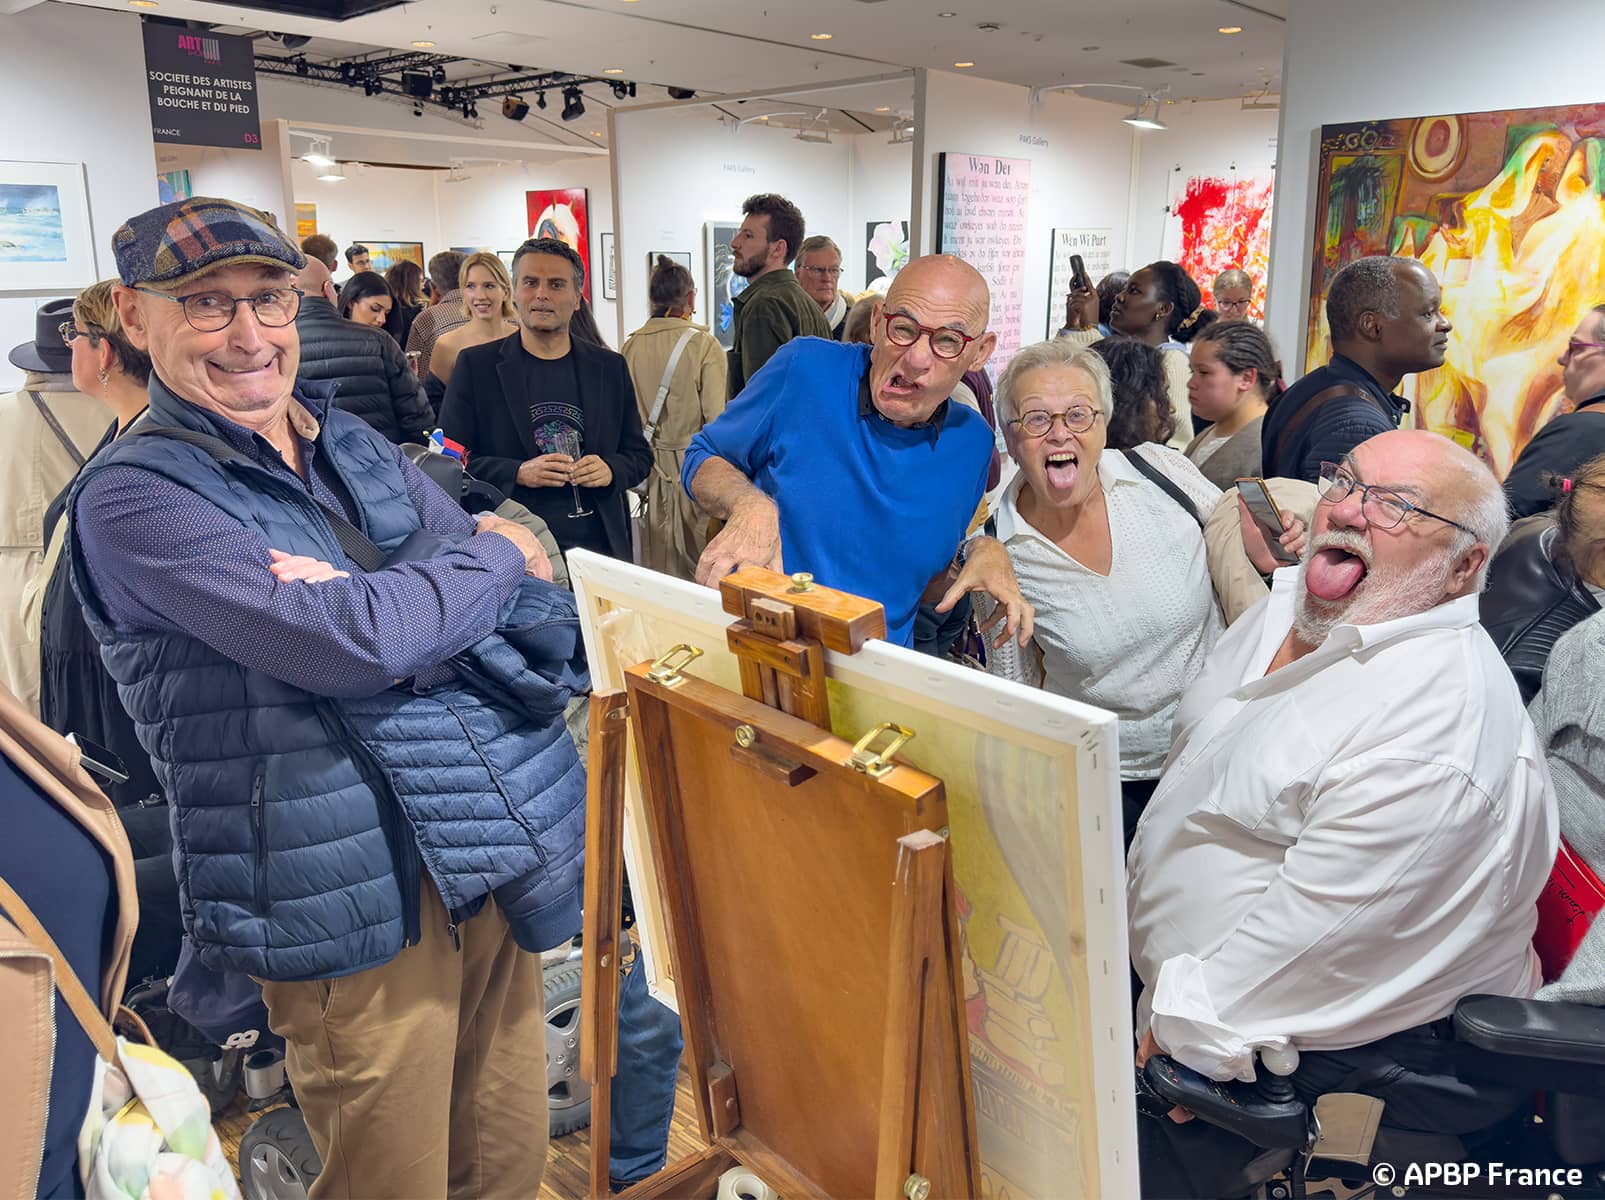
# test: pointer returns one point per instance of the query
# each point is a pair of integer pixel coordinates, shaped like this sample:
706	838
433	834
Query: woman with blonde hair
488	302
678	369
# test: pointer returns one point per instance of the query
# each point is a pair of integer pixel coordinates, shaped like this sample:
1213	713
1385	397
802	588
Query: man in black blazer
540	411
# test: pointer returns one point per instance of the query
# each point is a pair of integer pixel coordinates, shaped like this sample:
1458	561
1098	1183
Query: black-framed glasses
1382	507
70	333
208	312
904	330
1038	422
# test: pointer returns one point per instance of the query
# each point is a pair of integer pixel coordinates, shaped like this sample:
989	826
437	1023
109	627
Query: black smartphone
98	760
1079	279
1263	509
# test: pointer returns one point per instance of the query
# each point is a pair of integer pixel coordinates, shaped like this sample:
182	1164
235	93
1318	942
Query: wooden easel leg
927	1118
604	898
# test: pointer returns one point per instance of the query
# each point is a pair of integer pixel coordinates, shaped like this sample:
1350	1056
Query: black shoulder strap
358	547
55	427
1166	484
1339	390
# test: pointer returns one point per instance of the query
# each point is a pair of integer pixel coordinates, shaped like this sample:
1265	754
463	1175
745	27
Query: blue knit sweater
865	506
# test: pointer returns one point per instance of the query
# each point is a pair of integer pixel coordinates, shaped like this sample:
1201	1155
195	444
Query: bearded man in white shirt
1354	823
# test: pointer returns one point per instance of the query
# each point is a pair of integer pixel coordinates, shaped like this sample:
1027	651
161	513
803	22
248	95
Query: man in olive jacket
774	308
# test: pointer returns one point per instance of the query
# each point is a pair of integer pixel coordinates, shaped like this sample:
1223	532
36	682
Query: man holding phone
1355	821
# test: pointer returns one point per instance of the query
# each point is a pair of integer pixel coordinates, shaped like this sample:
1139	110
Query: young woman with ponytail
1235	376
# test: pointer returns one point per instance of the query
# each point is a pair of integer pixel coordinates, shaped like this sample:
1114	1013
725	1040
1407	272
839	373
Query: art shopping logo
207	49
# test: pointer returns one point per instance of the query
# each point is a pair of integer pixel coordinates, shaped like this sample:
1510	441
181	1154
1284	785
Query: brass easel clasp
917	1187
876	763
666	670
802	581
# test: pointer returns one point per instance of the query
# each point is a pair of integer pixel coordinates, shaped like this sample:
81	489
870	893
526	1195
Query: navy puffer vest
299	820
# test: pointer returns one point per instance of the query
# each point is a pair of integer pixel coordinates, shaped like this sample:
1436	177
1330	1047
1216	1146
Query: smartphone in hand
1263	509
1079	279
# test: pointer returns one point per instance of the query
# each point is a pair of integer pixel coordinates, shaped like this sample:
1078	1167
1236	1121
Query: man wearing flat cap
50	428
376	808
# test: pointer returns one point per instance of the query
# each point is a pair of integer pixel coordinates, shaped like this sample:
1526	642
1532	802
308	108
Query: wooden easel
810	912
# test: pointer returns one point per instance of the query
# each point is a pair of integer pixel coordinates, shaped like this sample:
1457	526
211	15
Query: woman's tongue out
1333	573
1062	468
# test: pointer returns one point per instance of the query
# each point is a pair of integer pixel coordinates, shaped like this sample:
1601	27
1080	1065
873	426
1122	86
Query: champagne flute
568	442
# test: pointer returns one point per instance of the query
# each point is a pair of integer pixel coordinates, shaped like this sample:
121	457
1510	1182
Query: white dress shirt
1130	641
1343	849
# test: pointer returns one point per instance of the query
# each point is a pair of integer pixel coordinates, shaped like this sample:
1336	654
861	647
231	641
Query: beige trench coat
672	532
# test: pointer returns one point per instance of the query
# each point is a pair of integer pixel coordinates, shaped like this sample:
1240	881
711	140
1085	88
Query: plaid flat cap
175	242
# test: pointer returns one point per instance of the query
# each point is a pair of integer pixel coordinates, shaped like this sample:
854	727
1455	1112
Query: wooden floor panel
567	1164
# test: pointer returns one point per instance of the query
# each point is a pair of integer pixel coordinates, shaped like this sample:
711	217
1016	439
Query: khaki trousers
425	1077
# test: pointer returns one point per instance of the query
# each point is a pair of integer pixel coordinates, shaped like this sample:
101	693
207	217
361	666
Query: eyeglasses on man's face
1383	508
209	312
1573	345
1038	422
823	272
903	330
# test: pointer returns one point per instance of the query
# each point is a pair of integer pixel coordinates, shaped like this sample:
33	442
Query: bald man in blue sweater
852	463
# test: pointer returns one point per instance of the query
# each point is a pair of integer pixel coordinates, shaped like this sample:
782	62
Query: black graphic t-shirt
558	423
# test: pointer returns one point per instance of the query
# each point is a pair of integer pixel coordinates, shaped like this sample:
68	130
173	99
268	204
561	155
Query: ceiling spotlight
947	14
821	37
680	93
540	100
141	3
438	73
573	104
1230	29
515	108
470	110
596	133
319	155
417	109
612	70
333	174
963	65
1138	119
884	108
419	84
423	45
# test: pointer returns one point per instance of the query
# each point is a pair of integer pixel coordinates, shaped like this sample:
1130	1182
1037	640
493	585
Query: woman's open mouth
1063	468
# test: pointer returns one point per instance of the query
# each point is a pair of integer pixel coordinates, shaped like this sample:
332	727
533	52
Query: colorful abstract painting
1507	209
724	285
173	185
306	221
564	214
1220	221
384	255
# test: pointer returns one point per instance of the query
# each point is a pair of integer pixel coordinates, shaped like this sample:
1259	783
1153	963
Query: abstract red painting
564	214
1223	221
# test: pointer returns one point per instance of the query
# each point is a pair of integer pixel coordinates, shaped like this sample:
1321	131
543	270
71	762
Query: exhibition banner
202	88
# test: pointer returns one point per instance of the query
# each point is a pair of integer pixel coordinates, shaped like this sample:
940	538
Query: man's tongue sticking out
1333	573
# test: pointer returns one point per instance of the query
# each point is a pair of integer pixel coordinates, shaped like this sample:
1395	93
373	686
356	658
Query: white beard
1385	594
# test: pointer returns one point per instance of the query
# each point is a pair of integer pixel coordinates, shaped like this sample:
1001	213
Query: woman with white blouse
1109	549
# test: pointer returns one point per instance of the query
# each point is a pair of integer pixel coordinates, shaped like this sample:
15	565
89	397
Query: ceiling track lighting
1138	119
320	154
573	103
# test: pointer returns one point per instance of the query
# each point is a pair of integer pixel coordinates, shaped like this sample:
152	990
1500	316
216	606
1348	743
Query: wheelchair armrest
1240	1108
1548	1029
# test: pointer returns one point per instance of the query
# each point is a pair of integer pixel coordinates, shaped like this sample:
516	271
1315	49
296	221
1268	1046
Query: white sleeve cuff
1189	1029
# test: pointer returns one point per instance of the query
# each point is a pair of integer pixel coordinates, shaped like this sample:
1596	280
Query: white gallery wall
1081	168
73	90
379	204
1409	60
259	178
882	189
675	169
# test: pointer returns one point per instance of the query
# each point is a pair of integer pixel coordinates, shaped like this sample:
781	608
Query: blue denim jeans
643	1088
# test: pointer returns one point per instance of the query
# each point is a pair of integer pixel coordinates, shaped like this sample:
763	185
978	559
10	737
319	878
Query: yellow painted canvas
1033	808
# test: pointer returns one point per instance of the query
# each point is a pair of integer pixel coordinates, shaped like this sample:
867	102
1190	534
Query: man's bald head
315	279
1457	484
947	276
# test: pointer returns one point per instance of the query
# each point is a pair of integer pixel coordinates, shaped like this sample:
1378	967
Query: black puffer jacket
375	382
1531	600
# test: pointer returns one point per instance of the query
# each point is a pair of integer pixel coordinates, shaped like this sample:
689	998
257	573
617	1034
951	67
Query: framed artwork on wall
384	255
564	214
1218	220
723	285
507	258
173	185
1096	247
306	221
885	253
45	241
610	268
1503	208
982	204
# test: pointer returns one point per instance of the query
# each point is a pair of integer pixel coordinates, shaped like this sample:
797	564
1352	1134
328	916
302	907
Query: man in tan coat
50	427
679	373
